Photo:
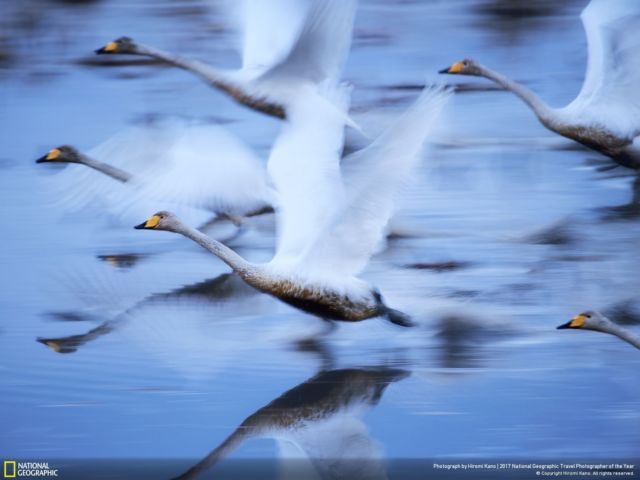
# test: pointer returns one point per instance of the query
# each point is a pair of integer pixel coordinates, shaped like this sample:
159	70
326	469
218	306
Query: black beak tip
444	70
141	226
42	159
563	326
100	51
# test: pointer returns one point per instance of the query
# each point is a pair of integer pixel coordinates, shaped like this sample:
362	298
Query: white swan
596	321
169	163
287	45
320	420
605	116
330	215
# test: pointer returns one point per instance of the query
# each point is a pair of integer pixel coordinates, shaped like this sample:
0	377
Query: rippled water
156	352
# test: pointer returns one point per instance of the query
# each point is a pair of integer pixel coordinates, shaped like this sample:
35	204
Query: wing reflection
319	420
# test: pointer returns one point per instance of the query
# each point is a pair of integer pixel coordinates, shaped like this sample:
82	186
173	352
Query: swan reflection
317	423
216	290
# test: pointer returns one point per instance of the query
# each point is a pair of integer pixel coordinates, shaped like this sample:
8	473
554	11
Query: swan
605	116
287	45
197	166
593	320
320	419
331	214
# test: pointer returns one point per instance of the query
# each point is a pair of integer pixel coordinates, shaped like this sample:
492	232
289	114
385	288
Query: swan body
596	321
195	166
605	116
287	46
320	418
331	214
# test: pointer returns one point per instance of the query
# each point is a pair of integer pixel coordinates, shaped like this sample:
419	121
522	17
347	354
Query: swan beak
575	322
52	155
110	47
455	68
149	224
55	346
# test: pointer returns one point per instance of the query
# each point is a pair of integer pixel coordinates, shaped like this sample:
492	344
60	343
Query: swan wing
613	66
304	166
371	178
323	44
209	168
340	447
302	39
173	163
267	30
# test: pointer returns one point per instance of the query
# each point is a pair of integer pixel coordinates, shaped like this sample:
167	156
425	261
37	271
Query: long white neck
541	109
221	79
622	333
105	168
245	269
211	75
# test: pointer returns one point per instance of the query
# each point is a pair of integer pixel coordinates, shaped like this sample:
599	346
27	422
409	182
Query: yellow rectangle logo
9	469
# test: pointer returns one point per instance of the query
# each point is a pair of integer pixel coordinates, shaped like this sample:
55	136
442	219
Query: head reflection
317	423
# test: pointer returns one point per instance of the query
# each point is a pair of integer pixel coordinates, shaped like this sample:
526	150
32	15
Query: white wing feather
294	40
340	447
268	30
323	44
174	165
371	178
305	168
613	66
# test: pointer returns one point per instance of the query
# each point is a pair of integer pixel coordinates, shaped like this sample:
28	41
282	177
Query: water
162	354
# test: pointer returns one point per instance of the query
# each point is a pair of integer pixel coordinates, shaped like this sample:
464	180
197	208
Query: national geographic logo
13	469
9	469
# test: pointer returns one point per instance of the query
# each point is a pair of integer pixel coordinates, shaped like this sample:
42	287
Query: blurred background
148	349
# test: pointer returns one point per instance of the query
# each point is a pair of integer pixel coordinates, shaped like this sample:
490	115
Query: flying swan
172	162
596	321
331	214
287	46
605	116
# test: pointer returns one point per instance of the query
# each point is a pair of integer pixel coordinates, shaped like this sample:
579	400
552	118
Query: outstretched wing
301	39
371	178
323	44
305	168
339	447
267	30
613	65
172	164
209	168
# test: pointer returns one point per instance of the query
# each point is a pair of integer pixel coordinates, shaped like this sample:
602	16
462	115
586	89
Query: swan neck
209	74
224	253
623	334
105	168
541	109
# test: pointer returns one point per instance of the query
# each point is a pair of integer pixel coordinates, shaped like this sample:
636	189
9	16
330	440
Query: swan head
62	154
463	67
161	221
589	320
119	45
